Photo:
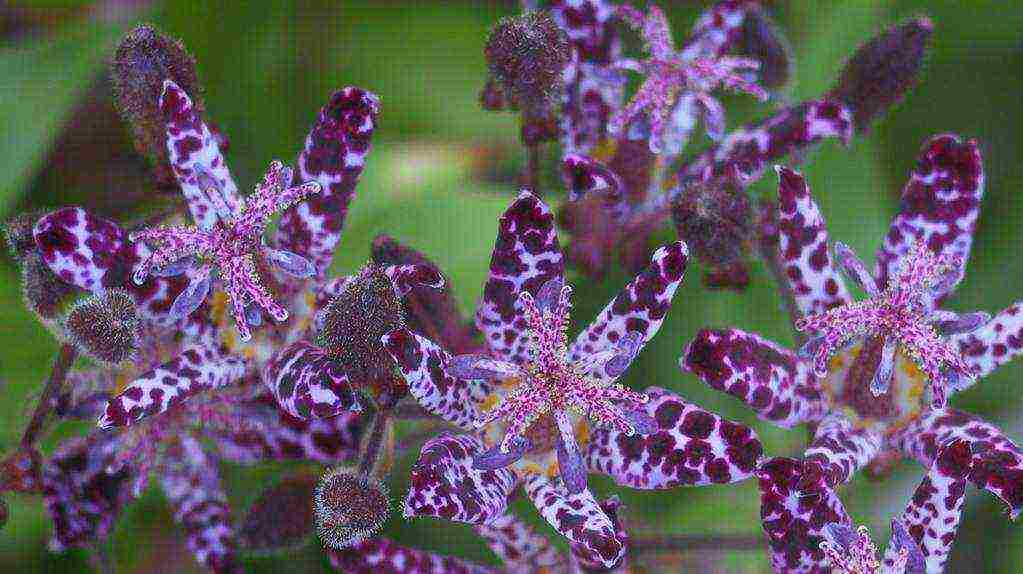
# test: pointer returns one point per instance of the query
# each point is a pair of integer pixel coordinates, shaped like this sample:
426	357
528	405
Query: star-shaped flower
233	245
872	405
547	412
678	83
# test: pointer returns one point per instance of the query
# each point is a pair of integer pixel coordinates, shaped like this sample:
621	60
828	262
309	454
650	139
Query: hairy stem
373	452
58	373
531	176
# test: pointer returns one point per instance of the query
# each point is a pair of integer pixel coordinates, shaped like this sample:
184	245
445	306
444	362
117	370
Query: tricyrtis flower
678	83
233	245
882	395
548	412
850	551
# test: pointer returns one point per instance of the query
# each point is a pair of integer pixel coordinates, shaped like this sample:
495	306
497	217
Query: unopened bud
349	507
144	59
762	40
355	320
716	222
526	55
880	72
44	293
104	327
18	234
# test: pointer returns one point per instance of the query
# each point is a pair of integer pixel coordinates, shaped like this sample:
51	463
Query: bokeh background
441	172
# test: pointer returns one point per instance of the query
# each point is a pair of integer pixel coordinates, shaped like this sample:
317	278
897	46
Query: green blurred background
441	172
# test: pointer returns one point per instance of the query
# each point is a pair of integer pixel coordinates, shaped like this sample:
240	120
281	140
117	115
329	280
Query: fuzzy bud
880	72
104	327
356	319
492	96
282	515
715	220
18	234
527	54
44	293
143	60
349	507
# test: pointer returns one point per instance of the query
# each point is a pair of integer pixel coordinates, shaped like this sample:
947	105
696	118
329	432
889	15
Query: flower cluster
207	338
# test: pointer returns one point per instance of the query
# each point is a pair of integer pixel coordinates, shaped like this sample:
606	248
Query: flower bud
44	293
762	40
526	55
356	319
715	220
143	60
881	71
18	234
104	327
349	507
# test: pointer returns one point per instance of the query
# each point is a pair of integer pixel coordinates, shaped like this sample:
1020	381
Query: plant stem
58	373
531	177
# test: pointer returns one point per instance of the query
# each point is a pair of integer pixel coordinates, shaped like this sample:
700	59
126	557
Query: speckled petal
584	561
803	246
639	308
273	434
795	508
841	449
407	277
526	256
191	482
585	177
691	447
309	384
940	205
94	253
82	499
994	344
195	156
334	155
772	380
197	368
717	29
519	546
444	483
382	556
422	363
997	462
579	518
750	150
932	515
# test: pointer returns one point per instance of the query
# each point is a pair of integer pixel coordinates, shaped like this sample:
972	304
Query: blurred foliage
267	68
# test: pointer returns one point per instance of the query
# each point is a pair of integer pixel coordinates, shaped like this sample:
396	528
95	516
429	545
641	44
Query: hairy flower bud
44	293
354	322
880	72
527	54
144	59
349	507
18	234
715	221
104	327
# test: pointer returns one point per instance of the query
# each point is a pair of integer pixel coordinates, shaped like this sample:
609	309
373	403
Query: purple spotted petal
579	518
916	562
423	365
382	556
772	380
795	508
197	368
585	177
191	483
526	256
639	308
994	344
519	546
690	447
803	247
840	448
940	205
195	157
997	464
444	483
334	156
309	384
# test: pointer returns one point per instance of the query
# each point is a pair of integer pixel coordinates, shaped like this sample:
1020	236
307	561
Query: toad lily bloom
544	412
887	362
